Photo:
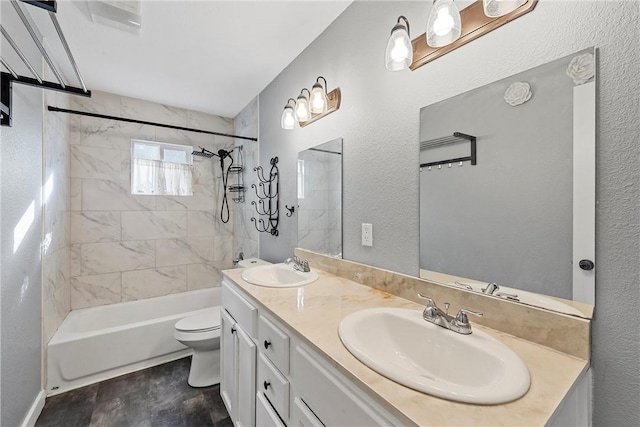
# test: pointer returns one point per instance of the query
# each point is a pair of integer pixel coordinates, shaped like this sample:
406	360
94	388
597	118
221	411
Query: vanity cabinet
292	384
238	358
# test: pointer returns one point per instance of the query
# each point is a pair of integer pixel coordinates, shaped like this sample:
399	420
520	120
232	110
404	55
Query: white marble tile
223	251
191	250
154	282
98	258
111	134
204	121
202	223
141	225
54	310
95	226
203	199
98	163
100	103
149	111
75	195
100	195
75	256
200	276
94	290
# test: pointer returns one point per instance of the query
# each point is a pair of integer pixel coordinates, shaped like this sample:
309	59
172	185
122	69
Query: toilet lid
205	320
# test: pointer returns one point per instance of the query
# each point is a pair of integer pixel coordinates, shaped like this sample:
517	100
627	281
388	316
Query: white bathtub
94	344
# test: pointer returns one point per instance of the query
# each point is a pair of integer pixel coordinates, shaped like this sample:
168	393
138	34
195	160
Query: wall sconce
448	28
399	53
307	110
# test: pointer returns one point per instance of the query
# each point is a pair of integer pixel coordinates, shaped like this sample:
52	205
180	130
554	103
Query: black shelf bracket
456	137
9	80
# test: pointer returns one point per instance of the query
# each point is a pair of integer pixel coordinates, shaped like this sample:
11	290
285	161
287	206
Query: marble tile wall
245	236
125	247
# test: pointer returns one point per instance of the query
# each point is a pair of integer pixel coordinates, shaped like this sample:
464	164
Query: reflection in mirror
320	198
523	216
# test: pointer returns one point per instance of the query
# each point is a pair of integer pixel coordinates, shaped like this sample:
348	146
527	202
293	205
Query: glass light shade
288	120
302	109
318	99
495	8
399	53
443	25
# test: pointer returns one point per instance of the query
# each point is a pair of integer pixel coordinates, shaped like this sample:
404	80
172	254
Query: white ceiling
210	56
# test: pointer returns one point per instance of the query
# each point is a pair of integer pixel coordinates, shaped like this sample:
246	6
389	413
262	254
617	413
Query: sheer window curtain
164	178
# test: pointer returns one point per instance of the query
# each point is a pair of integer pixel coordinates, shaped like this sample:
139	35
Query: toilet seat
204	320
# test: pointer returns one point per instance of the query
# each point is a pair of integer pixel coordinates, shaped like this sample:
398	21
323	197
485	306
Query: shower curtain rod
143	122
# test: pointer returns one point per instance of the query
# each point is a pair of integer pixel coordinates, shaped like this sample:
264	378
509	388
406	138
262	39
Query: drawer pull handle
233	330
266	344
266	384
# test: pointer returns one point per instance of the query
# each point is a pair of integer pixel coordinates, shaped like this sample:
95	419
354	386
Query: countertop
314	312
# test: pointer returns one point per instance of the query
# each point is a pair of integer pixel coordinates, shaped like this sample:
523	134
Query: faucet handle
430	302
462	318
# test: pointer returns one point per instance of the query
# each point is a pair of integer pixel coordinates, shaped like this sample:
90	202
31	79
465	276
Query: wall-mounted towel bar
8	79
445	140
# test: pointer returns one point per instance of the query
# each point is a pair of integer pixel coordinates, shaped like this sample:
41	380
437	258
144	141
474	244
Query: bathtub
94	344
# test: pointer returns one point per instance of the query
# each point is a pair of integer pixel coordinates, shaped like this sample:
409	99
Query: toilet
201	332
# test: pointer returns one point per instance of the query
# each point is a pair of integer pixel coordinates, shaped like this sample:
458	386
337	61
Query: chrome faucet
239	258
494	289
298	264
460	323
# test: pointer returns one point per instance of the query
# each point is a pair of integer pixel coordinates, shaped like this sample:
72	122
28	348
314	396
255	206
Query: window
300	179
160	168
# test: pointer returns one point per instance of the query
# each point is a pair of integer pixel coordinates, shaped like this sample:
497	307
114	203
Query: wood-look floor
154	397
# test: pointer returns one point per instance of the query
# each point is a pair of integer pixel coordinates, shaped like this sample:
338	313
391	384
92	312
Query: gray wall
378	120
21	276
508	219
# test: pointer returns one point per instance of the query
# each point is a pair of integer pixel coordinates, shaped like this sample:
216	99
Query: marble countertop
314	312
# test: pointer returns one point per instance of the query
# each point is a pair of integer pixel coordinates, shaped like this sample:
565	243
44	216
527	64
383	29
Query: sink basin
278	276
400	345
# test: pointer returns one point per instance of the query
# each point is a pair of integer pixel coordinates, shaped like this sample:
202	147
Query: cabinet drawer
301	415
240	309
328	396
274	386
274	343
265	415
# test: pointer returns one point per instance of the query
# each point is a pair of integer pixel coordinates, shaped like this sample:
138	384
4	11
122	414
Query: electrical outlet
367	234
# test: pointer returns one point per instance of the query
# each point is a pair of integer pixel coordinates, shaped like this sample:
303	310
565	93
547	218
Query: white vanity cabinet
292	384
238	357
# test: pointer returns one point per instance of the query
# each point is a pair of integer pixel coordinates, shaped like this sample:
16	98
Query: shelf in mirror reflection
524	297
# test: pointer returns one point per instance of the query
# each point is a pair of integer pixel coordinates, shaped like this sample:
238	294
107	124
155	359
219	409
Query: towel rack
445	140
8	79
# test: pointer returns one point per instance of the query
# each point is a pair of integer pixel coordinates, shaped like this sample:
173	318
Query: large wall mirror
320	198
523	215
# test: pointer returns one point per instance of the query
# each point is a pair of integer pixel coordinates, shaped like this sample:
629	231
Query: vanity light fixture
307	110
288	120
399	53
318	99
443	24
495	8
302	107
474	21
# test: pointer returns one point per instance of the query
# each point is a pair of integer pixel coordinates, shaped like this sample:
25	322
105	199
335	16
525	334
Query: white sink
400	345
278	276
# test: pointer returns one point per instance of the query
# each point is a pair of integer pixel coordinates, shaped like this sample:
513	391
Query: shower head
204	153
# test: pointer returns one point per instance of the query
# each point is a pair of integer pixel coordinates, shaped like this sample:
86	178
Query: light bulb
302	109
399	52
444	22
495	8
318	99
288	120
443	25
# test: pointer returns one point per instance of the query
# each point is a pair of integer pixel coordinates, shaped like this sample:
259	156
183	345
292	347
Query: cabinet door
246	369
301	415
265	415
228	357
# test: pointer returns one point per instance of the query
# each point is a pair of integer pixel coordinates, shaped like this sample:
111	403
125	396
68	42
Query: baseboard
35	410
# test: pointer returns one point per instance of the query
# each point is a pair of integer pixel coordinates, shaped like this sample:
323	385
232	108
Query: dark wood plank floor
154	397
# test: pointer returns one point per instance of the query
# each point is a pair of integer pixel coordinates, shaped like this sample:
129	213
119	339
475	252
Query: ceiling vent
123	15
